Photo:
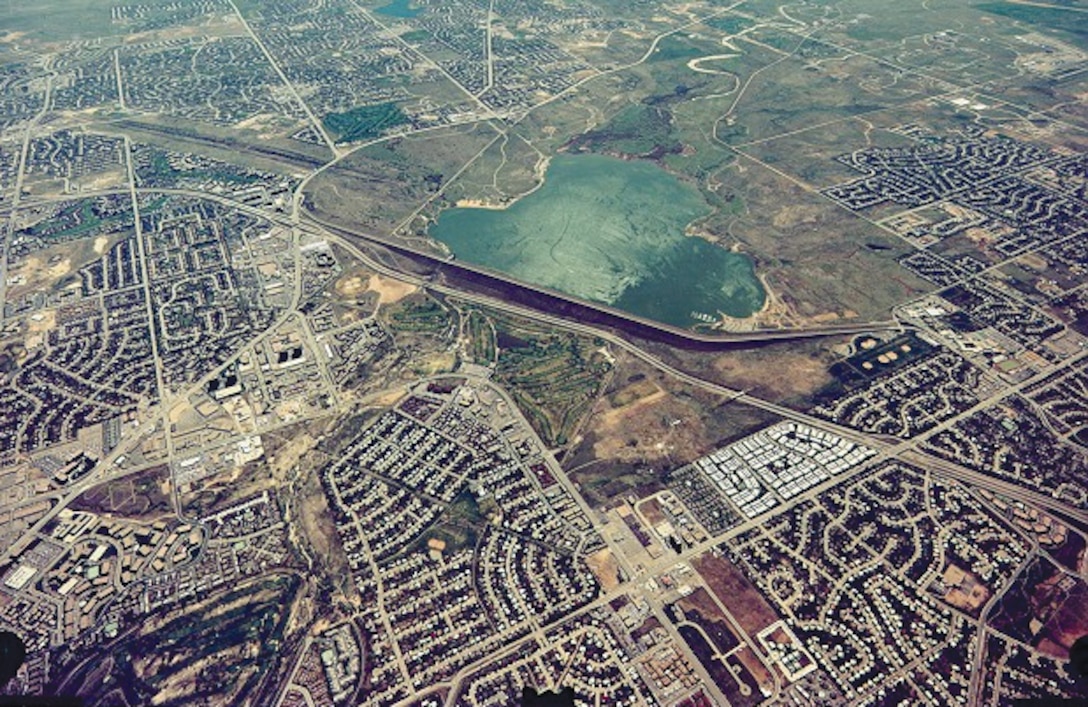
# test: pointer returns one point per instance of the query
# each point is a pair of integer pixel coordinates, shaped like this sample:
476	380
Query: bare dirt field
736	593
390	290
792	374
647	417
651	511
647	424
604	566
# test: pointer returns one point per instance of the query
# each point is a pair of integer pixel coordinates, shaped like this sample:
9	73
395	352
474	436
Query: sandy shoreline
540	171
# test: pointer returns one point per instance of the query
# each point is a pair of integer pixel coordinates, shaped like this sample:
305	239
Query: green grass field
636	130
364	122
411	316
554	377
481	335
1073	20
51	20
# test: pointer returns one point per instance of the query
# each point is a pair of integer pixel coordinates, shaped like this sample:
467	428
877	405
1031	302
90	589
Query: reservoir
401	9
610	231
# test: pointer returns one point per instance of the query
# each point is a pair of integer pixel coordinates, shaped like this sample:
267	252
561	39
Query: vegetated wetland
611	231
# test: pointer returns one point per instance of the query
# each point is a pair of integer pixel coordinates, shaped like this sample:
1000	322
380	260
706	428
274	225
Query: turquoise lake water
610	231
398	8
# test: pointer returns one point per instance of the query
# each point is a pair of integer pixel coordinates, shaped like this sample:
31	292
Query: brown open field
145	495
740	598
639	390
295	458
352	283
789	373
226	488
55	266
648	417
283	449
357	282
390	290
315	529
799	373
701	601
605	567
651	510
651	428
646	424
1068	623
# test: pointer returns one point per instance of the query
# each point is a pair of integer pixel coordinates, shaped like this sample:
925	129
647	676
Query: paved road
347	235
314	122
906	450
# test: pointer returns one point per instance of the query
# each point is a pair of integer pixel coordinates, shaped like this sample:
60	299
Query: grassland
270	149
50	20
379	186
417	314
554	377
636	130
480	333
757	131
646	424
769	90
364	122
508	168
675	46
1072	20
142	495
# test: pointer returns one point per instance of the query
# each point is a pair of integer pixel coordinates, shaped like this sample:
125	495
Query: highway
160	434
620	317
903	450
